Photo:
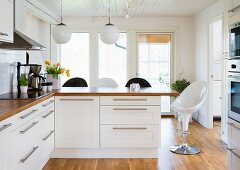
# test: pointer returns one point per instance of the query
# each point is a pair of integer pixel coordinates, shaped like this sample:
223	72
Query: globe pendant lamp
109	33
61	33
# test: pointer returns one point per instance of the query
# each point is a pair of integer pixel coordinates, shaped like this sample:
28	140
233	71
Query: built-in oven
234	90
234	38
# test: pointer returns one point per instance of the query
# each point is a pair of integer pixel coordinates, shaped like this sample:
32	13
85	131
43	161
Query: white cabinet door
6	20
217	98
76	122
46	136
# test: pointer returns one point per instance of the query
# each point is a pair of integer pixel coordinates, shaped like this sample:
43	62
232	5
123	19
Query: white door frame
210	69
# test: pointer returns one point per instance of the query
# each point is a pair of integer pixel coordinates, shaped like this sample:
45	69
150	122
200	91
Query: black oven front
234	96
234	39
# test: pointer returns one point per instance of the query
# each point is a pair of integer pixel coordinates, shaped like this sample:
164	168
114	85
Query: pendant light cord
109	19
61	11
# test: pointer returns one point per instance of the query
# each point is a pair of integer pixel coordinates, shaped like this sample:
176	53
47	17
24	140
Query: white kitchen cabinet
46	136
129	136
130	121
6	20
27	138
77	122
24	146
233	159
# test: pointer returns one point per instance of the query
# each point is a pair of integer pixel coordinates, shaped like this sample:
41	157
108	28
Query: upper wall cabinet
6	19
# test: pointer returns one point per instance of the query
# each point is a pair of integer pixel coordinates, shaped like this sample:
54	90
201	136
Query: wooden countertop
9	108
93	91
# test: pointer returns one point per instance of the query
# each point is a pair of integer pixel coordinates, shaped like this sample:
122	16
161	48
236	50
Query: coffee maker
32	72
35	78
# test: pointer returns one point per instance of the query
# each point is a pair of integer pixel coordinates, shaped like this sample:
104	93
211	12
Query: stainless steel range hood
21	42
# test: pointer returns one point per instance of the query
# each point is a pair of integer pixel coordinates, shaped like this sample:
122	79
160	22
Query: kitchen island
108	122
81	122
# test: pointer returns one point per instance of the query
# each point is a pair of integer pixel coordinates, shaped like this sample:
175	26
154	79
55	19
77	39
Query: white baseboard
106	153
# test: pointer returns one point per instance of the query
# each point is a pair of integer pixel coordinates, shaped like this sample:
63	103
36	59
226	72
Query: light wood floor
213	154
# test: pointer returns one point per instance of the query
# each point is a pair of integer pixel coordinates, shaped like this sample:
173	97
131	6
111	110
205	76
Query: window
75	56
113	60
154	61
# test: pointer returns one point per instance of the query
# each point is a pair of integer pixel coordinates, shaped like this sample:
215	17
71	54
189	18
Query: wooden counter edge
55	93
22	108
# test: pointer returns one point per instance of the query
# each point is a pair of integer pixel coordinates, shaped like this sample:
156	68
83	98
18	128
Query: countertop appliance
234	41
35	78
29	95
234	90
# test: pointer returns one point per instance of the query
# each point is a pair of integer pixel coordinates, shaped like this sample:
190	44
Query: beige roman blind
154	38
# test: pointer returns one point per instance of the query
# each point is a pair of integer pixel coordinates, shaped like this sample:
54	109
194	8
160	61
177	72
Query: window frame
172	56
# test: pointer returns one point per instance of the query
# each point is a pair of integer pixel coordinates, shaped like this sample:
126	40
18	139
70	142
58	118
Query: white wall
182	25
40	32
201	28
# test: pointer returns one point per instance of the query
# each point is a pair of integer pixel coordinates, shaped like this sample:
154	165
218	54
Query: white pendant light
61	33
109	33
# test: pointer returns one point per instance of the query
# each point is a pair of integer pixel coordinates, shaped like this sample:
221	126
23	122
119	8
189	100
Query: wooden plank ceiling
137	8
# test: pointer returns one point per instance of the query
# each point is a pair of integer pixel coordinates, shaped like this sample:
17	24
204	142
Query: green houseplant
180	85
23	81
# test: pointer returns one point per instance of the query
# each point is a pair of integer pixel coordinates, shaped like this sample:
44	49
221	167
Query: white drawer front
233	160
24	145
129	136
234	134
130	115
8	124
130	100
45	105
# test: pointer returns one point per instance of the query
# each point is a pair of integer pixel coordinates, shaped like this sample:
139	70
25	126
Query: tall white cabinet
77	122
6	20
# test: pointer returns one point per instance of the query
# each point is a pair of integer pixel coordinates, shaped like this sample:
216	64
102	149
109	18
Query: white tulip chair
189	101
106	82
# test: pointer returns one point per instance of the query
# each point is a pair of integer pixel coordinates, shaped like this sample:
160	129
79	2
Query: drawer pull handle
48	114
234	153
231	124
129	99
44	139
129	108
28	155
5	126
129	128
45	105
76	99
28	128
4	34
26	115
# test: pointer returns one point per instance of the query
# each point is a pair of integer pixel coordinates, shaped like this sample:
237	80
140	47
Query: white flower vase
55	80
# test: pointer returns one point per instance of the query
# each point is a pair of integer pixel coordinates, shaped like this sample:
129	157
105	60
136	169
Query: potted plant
180	85
54	72
23	81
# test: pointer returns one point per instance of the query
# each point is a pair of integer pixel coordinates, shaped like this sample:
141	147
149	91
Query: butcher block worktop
86	91
9	108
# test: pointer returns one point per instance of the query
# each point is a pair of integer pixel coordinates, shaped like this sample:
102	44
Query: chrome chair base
184	149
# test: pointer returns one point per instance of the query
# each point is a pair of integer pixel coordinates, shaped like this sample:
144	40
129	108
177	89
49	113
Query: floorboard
213	154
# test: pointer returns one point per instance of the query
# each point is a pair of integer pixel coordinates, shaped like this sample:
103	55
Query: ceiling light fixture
128	11
61	33
109	33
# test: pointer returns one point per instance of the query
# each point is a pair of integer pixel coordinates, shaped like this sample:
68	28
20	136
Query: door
215	69
154	62
77	122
